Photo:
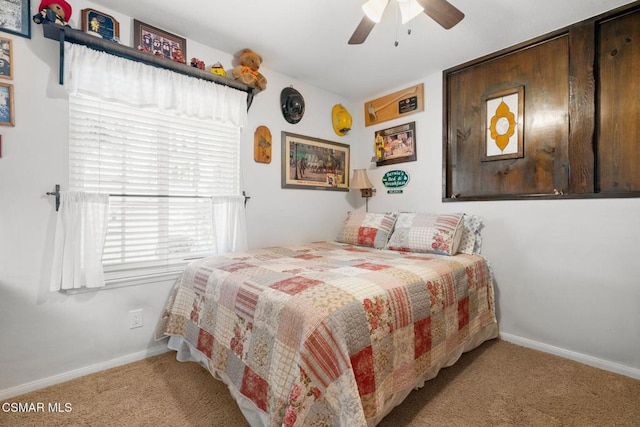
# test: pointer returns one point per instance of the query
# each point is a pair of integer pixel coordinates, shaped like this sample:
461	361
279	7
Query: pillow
429	233
367	229
471	240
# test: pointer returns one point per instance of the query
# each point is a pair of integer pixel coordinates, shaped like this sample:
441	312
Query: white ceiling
307	39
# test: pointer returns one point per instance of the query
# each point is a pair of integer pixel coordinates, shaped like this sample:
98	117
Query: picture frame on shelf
314	164
15	17
100	24
7	115
6	58
158	42
396	144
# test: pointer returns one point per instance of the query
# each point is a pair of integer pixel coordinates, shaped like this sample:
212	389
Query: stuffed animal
197	63
53	11
247	69
178	56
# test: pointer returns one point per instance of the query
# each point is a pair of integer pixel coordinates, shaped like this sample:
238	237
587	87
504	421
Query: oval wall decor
395	180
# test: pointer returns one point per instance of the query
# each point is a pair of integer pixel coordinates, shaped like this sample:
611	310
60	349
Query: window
162	171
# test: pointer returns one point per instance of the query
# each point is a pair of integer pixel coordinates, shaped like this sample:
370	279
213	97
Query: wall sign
395	180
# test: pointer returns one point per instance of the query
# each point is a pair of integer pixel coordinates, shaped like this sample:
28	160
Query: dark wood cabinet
580	118
618	120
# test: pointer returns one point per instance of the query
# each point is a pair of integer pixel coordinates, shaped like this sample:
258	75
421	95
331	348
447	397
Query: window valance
113	78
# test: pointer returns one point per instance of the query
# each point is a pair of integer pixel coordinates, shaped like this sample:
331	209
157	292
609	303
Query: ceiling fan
441	11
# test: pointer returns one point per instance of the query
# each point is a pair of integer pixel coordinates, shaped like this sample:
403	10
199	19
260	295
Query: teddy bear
53	11
247	69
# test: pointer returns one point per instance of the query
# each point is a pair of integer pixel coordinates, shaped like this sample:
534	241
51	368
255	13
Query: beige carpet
498	384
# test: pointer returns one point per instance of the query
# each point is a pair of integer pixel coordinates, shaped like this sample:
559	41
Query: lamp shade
360	180
409	9
374	9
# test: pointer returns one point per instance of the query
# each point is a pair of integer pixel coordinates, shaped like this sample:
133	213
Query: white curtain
81	229
229	224
112	78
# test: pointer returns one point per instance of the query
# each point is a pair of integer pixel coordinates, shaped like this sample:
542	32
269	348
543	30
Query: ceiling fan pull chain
397	24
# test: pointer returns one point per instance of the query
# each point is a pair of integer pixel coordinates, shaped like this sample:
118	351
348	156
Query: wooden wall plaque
398	104
262	145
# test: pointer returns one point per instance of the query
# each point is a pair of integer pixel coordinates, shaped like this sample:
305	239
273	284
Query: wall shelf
62	34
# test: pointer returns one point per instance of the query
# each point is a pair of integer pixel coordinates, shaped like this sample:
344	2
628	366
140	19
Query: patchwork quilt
325	333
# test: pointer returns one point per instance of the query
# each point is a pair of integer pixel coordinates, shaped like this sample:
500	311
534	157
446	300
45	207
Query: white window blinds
161	170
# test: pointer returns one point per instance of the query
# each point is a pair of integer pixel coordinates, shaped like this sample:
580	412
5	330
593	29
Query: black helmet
292	104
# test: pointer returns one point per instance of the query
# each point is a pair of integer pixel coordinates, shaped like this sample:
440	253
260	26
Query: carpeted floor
498	384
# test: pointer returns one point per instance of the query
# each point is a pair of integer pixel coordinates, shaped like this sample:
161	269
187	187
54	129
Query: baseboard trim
76	373
568	354
157	350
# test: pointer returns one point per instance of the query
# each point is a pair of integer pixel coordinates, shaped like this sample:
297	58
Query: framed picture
396	144
156	41
314	164
15	17
504	113
100	25
6	58
6	105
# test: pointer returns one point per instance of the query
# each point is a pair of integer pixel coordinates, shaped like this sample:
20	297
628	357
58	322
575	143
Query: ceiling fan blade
443	12
362	31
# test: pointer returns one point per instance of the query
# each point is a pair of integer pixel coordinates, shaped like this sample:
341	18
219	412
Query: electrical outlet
135	319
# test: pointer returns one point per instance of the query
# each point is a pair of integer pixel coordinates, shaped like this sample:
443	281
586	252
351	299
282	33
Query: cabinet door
541	71
618	141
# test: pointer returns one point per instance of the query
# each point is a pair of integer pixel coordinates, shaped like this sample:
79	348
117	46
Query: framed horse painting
314	164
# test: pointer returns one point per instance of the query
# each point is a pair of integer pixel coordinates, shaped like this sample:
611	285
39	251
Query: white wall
566	270
49	337
278	216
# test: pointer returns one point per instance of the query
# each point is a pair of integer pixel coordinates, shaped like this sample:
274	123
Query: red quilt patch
362	363
422	336
205	342
463	313
295	285
372	267
255	388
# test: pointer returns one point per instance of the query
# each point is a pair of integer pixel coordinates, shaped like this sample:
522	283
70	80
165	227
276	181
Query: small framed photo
396	144
314	164
6	105
158	42
100	25
6	58
15	17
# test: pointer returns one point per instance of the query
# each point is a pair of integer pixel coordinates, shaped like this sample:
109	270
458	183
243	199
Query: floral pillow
471	240
429	233
367	229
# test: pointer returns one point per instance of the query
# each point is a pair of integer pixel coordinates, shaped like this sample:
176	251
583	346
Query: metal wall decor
292	105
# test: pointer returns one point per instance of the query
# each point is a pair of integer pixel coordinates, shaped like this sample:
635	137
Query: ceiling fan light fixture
409	9
374	9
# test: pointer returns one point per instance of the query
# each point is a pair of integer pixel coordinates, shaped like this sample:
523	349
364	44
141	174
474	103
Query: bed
336	332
